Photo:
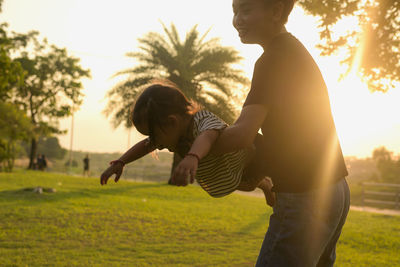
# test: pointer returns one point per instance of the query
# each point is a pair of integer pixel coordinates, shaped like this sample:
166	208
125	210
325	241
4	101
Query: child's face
166	136
253	20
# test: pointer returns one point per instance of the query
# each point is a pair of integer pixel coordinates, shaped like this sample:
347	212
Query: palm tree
202	69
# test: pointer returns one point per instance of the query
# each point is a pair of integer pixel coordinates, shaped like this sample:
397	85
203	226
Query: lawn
153	224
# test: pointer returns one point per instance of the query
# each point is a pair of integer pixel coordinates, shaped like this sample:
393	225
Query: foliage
51	86
373	47
40	79
11	73
50	146
15	126
202	69
361	169
152	224
388	167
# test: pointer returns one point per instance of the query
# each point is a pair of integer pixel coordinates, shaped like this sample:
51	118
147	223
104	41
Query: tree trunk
10	157
175	163
32	154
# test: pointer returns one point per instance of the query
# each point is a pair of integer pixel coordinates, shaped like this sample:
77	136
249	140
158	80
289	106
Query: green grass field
153	224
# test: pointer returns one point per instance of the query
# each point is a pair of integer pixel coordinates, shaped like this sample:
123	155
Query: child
171	121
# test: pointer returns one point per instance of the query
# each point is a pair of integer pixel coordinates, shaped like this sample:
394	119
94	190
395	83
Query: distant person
38	163
41	162
86	171
171	121
44	162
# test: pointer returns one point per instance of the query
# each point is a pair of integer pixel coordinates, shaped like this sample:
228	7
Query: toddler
170	120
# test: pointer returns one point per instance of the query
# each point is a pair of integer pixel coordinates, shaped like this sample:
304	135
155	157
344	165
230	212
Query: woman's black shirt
301	149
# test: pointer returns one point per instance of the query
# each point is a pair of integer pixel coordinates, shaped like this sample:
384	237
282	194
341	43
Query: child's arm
136	152
139	150
188	166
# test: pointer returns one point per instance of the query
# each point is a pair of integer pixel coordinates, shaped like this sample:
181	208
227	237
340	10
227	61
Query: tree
202	69
388	167
51	87
11	73
15	126
50	146
373	45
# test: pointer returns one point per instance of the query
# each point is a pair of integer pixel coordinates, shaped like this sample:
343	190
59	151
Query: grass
148	168
153	224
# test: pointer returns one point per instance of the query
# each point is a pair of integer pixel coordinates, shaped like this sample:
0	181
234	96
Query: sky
101	32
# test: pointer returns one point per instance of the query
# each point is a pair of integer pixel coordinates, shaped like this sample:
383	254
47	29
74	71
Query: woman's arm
136	152
242	133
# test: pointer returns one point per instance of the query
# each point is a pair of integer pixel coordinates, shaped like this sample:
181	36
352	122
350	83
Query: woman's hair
288	7
159	100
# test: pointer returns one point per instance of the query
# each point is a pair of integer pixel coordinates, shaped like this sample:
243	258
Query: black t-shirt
86	163
301	148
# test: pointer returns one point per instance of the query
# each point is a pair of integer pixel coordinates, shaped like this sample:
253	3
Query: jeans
305	227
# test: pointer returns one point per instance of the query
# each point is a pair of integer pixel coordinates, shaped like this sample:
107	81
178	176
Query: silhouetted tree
15	126
51	86
374	44
202	69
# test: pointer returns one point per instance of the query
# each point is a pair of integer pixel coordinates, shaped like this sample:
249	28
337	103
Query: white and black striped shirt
218	175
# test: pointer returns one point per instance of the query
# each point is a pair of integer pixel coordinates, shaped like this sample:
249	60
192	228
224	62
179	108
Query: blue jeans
305	227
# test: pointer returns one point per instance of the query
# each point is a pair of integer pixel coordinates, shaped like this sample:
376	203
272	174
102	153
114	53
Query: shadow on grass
33	198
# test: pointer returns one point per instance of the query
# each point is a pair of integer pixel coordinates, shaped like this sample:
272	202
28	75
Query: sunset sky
100	32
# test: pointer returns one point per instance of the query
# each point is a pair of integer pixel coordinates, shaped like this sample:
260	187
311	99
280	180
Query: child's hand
115	168
185	169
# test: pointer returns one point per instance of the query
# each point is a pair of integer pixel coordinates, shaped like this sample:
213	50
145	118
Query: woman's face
253	19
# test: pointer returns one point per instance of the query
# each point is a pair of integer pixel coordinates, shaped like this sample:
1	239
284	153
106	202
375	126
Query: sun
363	118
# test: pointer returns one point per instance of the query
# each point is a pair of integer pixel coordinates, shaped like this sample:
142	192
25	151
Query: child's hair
288	7
159	100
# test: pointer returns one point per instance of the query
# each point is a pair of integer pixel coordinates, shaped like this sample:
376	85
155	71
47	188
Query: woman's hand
270	196
186	169
115	168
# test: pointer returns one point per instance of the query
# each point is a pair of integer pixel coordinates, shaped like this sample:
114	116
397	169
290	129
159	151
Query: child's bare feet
266	185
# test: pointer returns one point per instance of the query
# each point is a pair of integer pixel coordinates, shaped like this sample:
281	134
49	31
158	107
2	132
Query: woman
288	101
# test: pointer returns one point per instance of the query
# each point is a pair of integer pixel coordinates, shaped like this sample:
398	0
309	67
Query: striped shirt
218	175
